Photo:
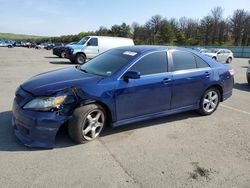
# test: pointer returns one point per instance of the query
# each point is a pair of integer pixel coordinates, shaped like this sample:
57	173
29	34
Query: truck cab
91	46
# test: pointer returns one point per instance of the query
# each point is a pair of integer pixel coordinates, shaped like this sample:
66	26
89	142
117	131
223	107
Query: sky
62	17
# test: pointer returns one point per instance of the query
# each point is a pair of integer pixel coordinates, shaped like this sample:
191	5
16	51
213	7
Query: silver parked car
220	55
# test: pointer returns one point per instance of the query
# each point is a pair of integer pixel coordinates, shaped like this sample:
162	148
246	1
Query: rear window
201	63
183	61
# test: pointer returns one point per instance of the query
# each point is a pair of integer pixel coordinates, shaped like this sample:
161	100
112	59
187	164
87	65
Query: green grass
10	36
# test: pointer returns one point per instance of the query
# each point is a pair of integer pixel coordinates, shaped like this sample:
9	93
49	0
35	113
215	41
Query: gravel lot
183	150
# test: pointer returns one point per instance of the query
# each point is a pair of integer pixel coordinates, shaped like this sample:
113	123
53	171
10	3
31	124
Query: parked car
91	46
201	50
60	50
121	86
41	45
220	55
8	44
248	73
18	43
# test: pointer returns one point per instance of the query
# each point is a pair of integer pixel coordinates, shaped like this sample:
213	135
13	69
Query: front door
149	94
92	48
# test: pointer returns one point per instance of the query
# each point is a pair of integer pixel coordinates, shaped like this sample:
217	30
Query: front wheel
80	59
209	101
87	123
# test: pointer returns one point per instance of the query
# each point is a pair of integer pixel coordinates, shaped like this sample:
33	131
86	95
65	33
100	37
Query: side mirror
88	44
218	52
249	61
131	75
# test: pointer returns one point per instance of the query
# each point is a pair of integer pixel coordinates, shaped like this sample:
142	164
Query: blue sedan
121	86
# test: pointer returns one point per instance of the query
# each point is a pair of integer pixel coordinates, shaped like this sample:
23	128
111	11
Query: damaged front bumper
36	129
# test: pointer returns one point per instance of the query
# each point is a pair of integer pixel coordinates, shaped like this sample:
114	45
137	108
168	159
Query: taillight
231	72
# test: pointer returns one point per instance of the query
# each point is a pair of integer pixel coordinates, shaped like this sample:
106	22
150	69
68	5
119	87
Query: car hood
76	46
210	54
48	83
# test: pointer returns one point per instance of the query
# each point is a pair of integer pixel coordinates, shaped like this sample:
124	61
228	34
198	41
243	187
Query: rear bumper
36	129
57	53
228	88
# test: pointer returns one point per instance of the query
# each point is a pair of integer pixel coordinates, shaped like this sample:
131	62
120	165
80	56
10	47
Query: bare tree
237	24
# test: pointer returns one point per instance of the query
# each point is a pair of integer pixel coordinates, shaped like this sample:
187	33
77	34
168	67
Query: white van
91	46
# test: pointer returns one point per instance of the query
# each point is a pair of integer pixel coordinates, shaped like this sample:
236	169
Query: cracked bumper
36	129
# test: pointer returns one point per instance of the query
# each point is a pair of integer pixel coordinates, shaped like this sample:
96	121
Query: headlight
45	103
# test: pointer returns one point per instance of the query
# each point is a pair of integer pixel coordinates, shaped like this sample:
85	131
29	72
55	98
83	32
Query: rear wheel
62	55
80	59
229	60
87	123
209	101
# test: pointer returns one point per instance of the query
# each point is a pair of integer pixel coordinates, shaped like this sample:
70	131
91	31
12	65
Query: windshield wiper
79	68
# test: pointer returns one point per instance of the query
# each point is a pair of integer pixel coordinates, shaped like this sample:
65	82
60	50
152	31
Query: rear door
191	76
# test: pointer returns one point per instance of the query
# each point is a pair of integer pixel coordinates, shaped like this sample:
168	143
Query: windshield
212	50
83	40
108	63
203	50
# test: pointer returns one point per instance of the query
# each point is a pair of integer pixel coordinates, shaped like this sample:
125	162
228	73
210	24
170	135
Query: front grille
19	98
23	130
68	51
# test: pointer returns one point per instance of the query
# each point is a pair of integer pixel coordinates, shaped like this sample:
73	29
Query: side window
151	64
183	61
220	52
201	63
93	42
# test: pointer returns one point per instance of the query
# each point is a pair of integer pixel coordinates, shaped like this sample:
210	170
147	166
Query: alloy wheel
94	123
210	101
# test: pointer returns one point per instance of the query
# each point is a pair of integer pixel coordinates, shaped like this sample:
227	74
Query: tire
80	59
209	101
229	60
214	58
62	55
86	123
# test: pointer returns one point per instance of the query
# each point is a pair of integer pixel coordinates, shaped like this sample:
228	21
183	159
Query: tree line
212	29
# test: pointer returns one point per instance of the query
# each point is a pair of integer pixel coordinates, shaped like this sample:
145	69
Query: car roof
151	48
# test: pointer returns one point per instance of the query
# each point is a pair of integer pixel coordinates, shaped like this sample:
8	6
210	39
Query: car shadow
61	63
242	86
9	142
245	67
148	123
53	57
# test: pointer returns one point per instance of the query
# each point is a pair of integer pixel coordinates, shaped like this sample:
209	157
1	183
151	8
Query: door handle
166	80
207	73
